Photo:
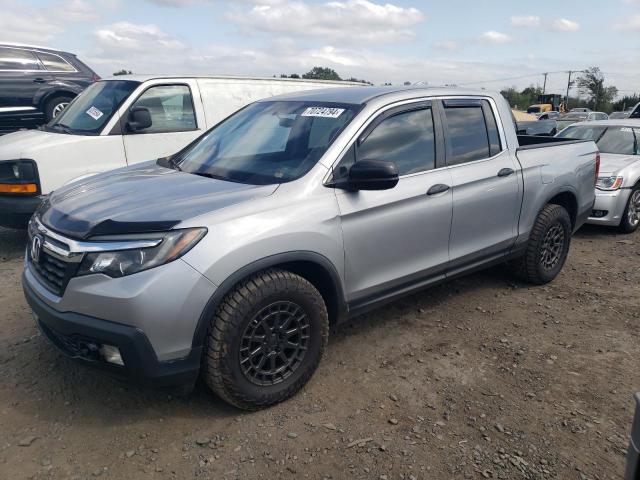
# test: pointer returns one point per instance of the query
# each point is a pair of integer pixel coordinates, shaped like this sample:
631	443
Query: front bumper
610	207
15	211
79	336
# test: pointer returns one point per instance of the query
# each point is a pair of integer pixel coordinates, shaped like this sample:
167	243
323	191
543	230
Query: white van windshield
89	112
267	142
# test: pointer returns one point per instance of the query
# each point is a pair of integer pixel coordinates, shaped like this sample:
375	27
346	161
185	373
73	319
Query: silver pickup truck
231	258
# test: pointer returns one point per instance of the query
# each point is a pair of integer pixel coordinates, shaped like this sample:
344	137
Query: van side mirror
370	175
139	119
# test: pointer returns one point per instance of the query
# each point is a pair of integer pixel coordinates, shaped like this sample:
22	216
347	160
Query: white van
118	122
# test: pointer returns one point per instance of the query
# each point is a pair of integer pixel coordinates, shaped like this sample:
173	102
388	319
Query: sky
477	43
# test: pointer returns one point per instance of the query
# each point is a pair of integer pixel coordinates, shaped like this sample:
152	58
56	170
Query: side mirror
139	119
372	175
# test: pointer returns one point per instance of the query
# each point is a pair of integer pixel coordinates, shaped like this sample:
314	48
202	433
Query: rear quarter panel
550	170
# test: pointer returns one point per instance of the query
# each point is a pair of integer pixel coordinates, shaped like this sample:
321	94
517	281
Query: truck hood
611	163
24	143
144	198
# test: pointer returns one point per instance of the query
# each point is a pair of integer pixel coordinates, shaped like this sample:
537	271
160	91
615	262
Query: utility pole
566	103
544	86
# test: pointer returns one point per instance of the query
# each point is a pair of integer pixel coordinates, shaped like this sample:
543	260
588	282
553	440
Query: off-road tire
530	266
51	104
222	371
627	226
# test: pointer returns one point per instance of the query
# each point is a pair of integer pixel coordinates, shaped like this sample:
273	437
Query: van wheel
631	216
548	246
56	105
265	340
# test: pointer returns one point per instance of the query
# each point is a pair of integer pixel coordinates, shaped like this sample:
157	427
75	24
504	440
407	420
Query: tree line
595	94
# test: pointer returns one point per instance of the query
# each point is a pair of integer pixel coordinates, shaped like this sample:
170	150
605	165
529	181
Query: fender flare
262	264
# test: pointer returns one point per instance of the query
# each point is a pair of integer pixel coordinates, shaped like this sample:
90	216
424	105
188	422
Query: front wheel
265	340
56	105
631	216
548	246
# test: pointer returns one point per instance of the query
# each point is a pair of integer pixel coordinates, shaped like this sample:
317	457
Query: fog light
599	213
111	354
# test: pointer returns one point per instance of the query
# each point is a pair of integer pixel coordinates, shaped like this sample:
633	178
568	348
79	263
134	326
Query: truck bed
551	166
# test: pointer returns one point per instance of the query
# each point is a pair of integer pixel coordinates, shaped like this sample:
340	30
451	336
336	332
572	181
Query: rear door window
18	59
55	63
467	133
171	108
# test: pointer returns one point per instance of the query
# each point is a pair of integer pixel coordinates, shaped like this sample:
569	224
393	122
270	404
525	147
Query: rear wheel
56	105
266	340
548	246
631	216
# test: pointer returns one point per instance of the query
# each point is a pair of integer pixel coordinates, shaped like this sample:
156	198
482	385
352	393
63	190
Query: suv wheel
265	340
631	216
56	105
548	246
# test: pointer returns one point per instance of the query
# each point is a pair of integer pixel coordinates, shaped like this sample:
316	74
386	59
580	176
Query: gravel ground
483	377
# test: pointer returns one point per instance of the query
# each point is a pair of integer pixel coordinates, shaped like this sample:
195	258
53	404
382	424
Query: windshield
617	140
267	142
93	108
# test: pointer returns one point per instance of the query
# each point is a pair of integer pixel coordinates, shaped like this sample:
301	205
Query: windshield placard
326	112
94	113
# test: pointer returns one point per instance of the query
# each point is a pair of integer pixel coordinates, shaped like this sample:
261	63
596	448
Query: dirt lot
483	377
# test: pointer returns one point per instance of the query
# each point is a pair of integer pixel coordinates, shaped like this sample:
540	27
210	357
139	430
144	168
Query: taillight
95	77
597	167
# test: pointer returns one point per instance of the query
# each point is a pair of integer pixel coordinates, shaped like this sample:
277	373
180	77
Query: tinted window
618	140
171	108
406	139
267	142
55	63
467	134
16	59
492	129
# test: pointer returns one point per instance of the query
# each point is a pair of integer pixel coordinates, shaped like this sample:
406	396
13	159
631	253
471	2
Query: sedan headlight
19	177
119	263
609	183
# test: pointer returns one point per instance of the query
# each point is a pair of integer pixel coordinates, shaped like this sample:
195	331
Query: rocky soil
482	377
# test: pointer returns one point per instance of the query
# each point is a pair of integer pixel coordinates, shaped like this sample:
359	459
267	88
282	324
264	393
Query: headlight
19	177
119	263
609	183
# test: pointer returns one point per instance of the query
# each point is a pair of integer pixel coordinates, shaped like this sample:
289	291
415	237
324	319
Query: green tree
122	72
591	83
625	102
322	73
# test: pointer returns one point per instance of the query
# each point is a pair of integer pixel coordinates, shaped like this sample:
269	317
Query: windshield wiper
63	127
174	164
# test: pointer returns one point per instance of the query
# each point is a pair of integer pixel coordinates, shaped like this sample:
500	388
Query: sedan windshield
615	139
267	142
92	109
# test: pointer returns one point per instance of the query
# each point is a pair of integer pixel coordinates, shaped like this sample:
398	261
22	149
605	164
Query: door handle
438	188
505	172
39	80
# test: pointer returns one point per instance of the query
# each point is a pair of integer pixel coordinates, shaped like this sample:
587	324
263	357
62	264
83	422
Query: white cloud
126	37
25	24
526	21
177	3
345	21
565	25
495	37
79	11
446	45
632	23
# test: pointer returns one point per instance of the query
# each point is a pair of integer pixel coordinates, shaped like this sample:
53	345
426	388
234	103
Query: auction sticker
326	112
94	113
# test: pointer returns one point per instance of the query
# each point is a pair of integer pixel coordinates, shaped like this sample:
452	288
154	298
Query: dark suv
37	83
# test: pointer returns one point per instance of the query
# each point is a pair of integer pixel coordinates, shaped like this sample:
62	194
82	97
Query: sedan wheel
631	216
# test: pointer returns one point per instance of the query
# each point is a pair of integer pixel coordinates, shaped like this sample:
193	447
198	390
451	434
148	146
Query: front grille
50	260
53	272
